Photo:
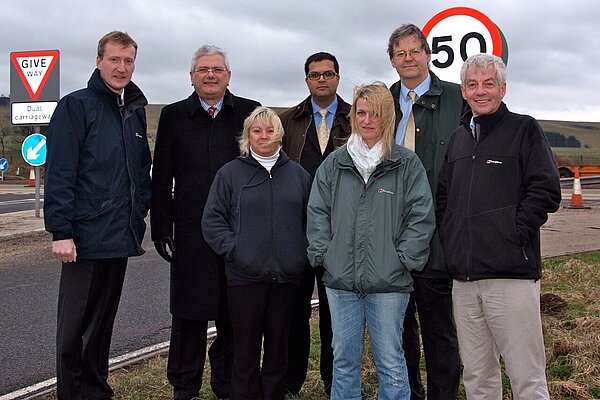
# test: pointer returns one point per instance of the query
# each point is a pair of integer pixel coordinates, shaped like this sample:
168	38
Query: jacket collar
486	122
428	99
133	94
392	161
305	108
283	158
193	102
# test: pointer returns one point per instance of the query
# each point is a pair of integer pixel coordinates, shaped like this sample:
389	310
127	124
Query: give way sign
34	69
34	86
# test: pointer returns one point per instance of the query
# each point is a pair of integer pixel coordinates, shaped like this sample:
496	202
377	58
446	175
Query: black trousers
299	341
187	355
88	299
260	316
432	299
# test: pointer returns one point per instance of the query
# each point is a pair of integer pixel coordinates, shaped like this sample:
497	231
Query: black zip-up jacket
97	188
494	195
257	220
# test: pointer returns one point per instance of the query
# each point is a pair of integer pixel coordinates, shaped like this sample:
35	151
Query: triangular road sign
34	68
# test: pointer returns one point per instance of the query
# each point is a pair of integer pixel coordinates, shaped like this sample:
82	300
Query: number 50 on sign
457	33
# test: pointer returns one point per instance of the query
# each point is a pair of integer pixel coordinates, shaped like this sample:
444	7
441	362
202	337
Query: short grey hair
209	50
264	115
483	61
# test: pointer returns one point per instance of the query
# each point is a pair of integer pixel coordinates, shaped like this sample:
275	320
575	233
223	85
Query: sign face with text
457	33
34	86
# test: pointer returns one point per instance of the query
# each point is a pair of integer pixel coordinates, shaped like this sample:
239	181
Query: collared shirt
473	127
206	106
332	108
406	106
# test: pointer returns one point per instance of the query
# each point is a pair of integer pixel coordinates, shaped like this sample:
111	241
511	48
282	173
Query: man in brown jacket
313	129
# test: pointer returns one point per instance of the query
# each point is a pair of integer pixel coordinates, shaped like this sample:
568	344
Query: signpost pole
37	192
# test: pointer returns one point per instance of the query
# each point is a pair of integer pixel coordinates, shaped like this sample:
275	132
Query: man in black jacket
497	185
195	138
97	194
302	144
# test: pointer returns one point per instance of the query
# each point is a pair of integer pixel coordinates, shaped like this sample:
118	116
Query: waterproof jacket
494	195
369	236
97	188
437	114
190	148
257	220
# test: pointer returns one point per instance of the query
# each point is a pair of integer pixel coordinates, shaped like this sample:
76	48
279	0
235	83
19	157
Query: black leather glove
164	247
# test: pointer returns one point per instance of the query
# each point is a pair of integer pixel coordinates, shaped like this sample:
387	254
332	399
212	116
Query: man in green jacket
436	111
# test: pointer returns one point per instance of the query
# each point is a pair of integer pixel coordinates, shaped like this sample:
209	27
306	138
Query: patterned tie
211	111
409	135
323	131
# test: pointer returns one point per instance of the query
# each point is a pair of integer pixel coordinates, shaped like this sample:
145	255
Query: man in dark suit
195	137
313	129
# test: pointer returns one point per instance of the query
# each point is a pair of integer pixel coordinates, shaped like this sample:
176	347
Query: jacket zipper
470	247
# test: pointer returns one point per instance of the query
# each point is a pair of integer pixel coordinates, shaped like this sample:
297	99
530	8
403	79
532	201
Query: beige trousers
500	318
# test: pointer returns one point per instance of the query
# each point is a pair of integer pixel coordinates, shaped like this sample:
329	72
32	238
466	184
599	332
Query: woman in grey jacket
370	219
255	216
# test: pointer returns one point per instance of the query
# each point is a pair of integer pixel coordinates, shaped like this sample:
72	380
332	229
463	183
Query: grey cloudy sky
552	65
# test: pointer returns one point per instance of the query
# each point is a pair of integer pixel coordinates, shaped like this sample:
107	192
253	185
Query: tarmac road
29	279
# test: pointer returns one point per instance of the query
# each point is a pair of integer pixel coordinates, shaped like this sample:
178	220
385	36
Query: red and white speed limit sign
457	33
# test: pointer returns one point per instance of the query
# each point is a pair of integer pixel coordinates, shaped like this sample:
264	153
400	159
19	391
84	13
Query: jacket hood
133	94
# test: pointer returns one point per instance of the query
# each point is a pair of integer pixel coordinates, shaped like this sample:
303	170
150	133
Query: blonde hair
381	105
264	115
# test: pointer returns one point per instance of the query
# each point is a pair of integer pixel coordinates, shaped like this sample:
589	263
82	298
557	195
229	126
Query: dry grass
571	322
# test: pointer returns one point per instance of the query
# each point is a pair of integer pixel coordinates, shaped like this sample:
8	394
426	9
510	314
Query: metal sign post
33	151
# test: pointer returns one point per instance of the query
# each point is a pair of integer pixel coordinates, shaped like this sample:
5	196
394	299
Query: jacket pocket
453	236
495	244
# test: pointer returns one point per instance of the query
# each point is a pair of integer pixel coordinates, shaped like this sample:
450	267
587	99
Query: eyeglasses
414	53
214	70
315	76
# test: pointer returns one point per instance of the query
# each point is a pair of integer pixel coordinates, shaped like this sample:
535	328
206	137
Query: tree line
557	139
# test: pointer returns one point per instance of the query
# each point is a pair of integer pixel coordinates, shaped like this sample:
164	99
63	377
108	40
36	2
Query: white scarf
365	159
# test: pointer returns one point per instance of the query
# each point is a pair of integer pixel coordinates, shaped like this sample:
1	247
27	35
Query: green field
588	133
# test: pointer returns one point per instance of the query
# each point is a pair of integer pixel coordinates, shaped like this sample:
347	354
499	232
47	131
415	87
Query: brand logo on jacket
382	190
493	162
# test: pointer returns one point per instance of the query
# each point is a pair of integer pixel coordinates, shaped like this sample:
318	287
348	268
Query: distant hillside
588	133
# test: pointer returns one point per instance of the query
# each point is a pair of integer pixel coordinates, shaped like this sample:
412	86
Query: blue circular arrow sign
3	165
33	149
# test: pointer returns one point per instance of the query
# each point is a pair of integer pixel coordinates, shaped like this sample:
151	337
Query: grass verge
570	304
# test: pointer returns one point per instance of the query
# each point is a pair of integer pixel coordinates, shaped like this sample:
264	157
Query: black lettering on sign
33	63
